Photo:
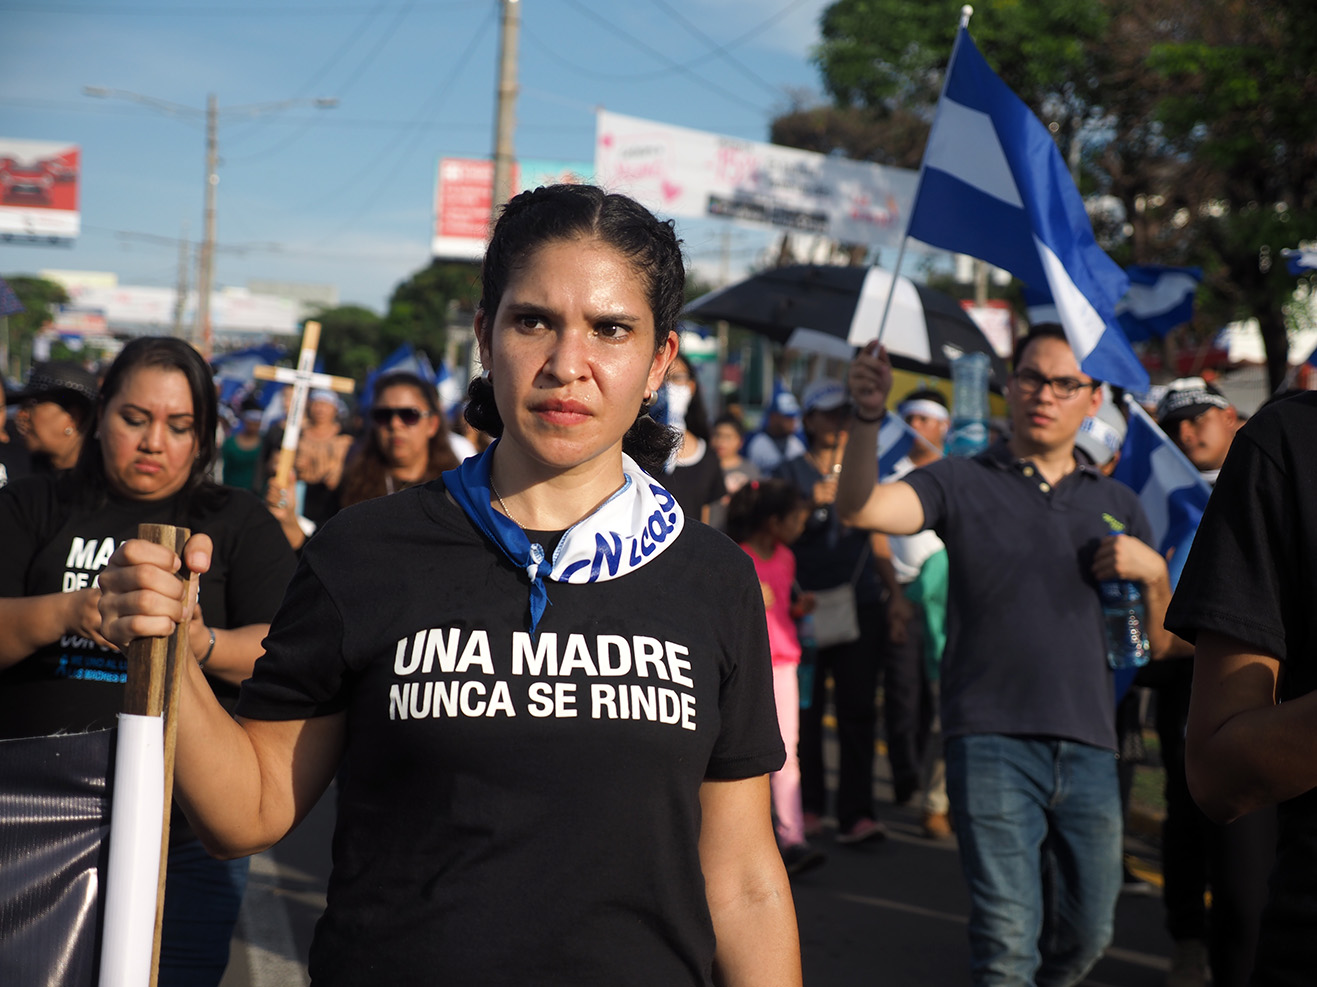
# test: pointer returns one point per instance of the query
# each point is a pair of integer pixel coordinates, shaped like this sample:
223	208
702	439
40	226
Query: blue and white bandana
631	528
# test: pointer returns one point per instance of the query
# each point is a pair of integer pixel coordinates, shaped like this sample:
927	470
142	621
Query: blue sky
345	196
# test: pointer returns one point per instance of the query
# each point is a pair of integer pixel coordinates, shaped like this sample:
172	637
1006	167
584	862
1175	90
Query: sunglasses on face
408	416
1030	382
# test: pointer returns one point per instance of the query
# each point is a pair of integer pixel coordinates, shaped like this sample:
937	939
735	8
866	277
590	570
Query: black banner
54	828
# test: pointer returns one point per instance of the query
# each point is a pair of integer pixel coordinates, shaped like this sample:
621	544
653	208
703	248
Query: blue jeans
202	898
1038	821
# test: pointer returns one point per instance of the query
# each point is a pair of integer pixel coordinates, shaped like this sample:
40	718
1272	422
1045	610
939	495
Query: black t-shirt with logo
518	809
1250	575
51	544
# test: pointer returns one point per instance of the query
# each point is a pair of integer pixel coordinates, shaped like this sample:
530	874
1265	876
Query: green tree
1242	103
423	306
1199	118
884	60
38	297
349	340
353	339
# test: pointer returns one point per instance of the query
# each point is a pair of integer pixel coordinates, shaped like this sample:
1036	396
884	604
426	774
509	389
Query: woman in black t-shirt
693	475
154	442
526	783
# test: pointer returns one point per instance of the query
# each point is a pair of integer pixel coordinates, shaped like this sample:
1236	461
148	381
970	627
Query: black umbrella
925	331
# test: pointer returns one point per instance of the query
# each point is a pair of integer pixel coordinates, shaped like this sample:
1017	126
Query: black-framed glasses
1030	382
408	416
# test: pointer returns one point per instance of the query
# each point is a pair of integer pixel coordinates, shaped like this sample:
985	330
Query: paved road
890	914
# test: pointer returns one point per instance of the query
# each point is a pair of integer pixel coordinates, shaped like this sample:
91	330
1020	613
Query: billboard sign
464	196
38	190
697	175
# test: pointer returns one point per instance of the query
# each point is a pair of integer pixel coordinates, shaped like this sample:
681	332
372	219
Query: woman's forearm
235	651
749	897
1243	749
243	786
31	622
758	944
859	469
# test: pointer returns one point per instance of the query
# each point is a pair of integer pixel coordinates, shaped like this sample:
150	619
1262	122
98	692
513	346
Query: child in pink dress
764	517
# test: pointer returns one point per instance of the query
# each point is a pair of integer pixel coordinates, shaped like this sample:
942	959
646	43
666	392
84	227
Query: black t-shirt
696	484
1025	652
517	810
1250	575
51	545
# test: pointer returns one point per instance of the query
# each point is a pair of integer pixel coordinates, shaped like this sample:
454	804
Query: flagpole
966	12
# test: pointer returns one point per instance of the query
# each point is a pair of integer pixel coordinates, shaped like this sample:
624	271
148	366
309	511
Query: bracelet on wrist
868	421
201	662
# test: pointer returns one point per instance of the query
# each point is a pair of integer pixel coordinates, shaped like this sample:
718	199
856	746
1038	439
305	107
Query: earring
647	400
67	430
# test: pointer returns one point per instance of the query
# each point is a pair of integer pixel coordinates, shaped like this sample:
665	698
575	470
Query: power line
261	11
346	86
716	49
650	75
431	105
332	121
655	53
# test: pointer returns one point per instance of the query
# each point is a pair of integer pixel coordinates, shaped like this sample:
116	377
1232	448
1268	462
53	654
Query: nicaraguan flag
994	186
1160	298
895	440
1173	493
1300	261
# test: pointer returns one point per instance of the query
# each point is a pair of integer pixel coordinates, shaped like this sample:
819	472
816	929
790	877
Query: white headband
925	407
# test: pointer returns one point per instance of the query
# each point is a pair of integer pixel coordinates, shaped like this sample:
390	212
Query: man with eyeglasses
1028	703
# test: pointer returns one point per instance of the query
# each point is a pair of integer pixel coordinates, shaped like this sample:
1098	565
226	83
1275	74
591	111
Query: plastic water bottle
1124	616
808	653
969	400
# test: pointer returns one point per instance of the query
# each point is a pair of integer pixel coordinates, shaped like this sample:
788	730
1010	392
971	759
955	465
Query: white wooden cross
303	379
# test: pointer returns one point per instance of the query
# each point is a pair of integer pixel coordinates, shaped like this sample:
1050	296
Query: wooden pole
153	689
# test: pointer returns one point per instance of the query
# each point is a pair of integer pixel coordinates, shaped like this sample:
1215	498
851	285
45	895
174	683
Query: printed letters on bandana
628	530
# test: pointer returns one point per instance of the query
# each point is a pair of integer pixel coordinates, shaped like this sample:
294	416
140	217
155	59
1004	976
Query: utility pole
504	153
206	263
180	300
201	335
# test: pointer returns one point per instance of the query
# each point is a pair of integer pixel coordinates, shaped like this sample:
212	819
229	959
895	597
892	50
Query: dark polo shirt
1025	653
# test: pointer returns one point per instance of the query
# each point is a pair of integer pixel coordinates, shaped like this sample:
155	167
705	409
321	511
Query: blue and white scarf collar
631	528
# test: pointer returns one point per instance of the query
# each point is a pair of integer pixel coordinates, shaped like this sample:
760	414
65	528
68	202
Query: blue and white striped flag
1160	298
1300	261
895	440
1172	491
993	185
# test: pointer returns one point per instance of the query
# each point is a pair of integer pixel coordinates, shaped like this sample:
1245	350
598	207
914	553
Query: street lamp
206	262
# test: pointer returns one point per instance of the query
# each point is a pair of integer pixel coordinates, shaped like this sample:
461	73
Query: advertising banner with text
464	194
693	174
38	190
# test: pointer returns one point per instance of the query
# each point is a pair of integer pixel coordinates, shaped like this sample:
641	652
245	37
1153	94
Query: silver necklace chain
499	497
